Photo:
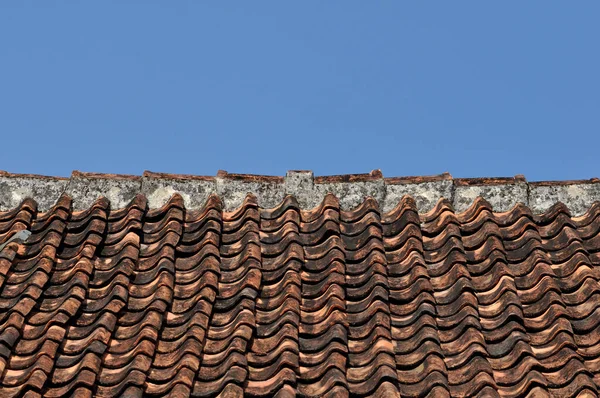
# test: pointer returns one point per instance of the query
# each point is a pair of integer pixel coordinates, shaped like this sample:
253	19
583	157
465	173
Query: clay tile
373	175
81	174
565	182
418	179
250	177
150	174
16	175
485	181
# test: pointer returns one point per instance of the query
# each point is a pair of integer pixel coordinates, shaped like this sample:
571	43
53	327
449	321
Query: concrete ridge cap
501	192
341	178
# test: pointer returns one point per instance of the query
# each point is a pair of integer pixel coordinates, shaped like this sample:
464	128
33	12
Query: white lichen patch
45	191
159	197
20	193
577	197
195	193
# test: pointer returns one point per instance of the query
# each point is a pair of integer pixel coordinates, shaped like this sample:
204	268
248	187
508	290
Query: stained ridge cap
503	193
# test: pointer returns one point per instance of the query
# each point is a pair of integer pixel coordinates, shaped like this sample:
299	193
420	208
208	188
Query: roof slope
320	302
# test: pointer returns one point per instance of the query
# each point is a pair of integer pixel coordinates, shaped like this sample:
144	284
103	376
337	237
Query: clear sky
412	88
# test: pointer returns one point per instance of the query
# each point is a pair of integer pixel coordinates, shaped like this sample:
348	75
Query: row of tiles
177	302
351	190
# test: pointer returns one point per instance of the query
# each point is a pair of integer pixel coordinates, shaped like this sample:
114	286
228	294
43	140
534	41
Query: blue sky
412	88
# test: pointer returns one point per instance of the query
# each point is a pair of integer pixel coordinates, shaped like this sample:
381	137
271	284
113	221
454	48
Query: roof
105	300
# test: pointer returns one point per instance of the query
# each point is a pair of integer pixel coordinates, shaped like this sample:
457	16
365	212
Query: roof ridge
502	193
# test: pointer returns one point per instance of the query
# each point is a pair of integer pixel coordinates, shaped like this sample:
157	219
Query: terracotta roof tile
373	175
418	179
286	301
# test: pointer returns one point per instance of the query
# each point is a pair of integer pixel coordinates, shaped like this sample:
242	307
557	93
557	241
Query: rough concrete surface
502	197
195	193
45	190
425	194
300	184
350	194
577	197
232	192
86	188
